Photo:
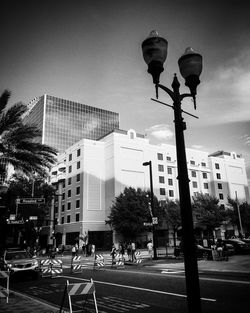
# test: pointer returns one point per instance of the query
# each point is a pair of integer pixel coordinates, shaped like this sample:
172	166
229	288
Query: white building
90	174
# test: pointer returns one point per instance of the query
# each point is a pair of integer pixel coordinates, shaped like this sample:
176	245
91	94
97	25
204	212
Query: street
154	288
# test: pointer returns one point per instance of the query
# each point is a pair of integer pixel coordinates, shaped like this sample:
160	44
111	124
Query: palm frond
4	98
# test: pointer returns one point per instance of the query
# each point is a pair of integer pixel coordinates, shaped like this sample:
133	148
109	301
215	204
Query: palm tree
18	145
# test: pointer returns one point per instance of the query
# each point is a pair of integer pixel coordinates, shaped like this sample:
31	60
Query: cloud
198	147
224	97
161	132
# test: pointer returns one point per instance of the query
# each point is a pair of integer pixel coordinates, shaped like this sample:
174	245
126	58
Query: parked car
230	250
240	246
201	252
19	261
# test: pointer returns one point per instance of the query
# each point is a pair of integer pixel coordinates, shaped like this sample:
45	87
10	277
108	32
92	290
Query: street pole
189	244
154	49
153	209
238	209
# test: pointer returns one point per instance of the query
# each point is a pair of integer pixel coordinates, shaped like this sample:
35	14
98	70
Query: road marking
139	288
171	271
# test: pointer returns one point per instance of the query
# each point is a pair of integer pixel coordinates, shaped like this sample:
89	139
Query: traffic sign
30	200
33	218
15	222
155	220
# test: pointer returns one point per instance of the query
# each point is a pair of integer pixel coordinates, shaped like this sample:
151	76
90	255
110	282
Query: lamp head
154	50
190	65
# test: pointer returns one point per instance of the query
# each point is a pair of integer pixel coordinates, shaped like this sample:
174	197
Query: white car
19	261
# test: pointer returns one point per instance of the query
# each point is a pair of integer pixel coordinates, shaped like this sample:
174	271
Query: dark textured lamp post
149	163
154	50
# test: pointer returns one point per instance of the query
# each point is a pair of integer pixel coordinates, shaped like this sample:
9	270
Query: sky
90	52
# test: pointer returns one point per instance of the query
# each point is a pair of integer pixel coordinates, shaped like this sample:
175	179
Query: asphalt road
144	289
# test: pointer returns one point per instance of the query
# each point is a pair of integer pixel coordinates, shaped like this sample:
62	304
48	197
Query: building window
69	181
193	173
195	185
63	184
78	164
63	206
160	168
70	169
56	209
204	175
63	196
78	190
192	162
68	218
70	157
77	217
203	164
170	170
170	182
78	153
160	156
219	186
171	193
78	177
69	193
77	204
218	176
69	206
161	179
62	220
162	191
168	158
205	185
221	196
217	166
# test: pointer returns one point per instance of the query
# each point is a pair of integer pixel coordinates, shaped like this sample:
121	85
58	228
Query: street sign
30	200
155	220
12	217
15	222
33	218
147	224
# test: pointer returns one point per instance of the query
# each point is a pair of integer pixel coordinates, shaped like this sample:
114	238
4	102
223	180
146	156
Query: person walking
150	249
113	253
129	249
133	249
122	250
219	249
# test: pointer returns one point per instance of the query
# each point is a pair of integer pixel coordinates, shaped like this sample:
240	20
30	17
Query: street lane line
138	288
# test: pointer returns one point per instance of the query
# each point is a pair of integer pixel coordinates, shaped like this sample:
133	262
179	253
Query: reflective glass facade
65	122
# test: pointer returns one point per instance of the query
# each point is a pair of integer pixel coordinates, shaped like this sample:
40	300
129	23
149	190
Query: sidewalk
20	303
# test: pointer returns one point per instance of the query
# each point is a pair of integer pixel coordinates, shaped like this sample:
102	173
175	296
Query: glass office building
63	122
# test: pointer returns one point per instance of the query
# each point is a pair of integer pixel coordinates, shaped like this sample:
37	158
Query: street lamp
154	50
149	163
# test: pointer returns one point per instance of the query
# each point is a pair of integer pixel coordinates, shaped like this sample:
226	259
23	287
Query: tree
208	214
18	145
21	186
244	209
130	210
172	215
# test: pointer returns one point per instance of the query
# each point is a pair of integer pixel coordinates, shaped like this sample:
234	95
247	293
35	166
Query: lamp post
149	163
154	50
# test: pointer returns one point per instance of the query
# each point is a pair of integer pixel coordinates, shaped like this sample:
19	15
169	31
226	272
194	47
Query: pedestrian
219	249
73	250
150	249
133	249
113	253
84	248
129	249
122	250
